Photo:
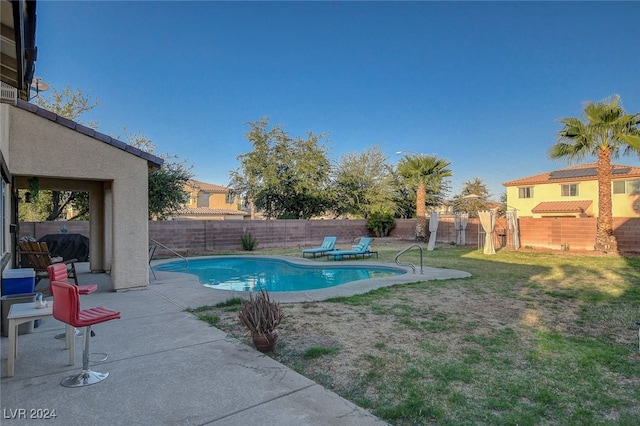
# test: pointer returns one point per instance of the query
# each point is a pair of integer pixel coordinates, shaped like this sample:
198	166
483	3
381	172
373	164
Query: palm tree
422	172
607	133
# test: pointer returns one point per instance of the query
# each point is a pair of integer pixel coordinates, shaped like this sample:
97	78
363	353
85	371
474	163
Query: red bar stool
58	272
66	308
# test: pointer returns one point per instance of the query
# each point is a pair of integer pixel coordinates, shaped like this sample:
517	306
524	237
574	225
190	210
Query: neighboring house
67	156
573	191
448	208
444	208
208	201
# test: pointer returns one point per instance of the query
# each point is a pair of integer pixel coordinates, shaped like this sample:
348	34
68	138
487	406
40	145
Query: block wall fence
200	236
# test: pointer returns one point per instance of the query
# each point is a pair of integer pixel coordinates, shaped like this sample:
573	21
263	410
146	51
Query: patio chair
361	249
66	308
328	244
38	256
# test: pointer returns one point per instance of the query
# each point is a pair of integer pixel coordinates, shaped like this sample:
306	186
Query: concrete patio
166	367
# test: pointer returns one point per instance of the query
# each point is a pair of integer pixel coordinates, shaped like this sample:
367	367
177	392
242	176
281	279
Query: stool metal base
85	378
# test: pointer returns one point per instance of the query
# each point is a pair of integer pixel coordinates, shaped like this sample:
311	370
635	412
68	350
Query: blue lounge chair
362	249
328	245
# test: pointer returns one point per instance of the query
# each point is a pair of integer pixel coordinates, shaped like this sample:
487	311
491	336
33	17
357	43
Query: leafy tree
503	205
167	192
68	104
404	198
607	132
284	177
425	173
473	197
46	205
37	209
363	184
166	188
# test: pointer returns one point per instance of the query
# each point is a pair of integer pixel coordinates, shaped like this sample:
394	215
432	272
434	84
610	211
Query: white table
21	313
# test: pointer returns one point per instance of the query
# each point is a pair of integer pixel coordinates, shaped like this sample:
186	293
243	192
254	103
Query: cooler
18	281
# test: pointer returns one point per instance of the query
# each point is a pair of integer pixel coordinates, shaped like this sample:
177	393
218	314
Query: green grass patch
203	308
363	299
234	302
319	351
212	320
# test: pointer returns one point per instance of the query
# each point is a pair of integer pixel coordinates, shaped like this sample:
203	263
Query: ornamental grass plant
259	314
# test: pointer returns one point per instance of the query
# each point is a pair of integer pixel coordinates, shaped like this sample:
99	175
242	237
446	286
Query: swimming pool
254	273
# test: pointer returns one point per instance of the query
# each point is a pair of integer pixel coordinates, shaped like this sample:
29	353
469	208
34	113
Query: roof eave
153	162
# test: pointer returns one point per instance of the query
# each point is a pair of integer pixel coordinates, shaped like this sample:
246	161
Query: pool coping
342	290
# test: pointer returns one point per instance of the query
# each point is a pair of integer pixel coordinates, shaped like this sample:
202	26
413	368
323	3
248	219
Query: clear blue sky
481	84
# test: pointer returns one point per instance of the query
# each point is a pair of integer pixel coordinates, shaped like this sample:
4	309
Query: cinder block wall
215	235
199	236
577	233
627	231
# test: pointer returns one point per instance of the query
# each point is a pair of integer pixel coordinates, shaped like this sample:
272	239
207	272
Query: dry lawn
521	323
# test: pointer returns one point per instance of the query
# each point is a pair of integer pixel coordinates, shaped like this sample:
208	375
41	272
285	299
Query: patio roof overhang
579	206
18	44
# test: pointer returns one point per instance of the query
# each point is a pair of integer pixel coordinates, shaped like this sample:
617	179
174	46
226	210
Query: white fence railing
8	94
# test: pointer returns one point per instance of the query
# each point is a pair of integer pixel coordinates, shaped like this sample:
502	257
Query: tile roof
575	173
207	187
152	160
579	206
208	211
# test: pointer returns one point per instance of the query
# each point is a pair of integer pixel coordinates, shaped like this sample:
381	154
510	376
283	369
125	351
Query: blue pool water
248	274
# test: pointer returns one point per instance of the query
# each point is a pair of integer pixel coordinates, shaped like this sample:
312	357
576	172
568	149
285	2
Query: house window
525	192
626	187
569	190
619	187
230	197
203	200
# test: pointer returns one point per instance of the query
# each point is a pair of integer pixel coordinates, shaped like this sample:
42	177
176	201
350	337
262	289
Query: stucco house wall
213	200
70	157
552	192
548	190
208	201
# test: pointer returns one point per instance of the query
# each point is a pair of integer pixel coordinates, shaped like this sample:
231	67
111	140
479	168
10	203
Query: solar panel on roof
586	172
575	173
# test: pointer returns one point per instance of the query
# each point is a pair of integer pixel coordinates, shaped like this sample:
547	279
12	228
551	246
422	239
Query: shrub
381	224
